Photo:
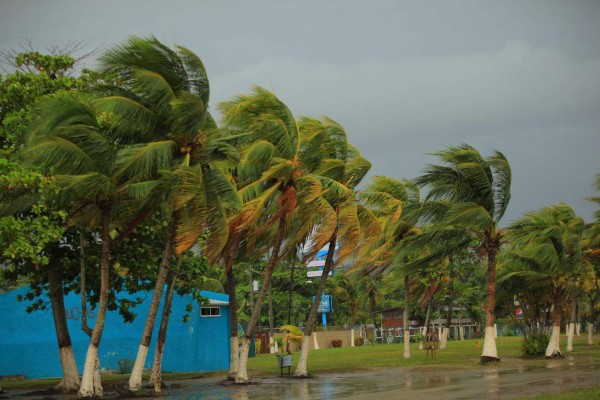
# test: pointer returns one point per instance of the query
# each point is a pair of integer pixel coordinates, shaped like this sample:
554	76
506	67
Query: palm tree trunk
590	329
571	326
70	380
446	329
553	349
90	381
406	317
234	346
271	335
135	379
242	372
301	368
427	318
490	352
290	291
156	375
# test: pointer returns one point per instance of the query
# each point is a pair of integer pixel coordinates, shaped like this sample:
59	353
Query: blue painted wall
28	343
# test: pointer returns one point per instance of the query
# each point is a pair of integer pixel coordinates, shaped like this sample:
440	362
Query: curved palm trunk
156	375
553	349
70	380
405	317
490	352
301	368
90	381
135	380
242	372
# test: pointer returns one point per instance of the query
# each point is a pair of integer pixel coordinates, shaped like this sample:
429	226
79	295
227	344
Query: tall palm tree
270	200
477	192
166	92
68	140
343	221
397	205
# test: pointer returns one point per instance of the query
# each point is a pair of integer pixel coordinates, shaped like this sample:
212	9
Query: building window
210	311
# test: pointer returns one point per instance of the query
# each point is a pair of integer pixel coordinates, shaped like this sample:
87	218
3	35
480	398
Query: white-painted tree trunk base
489	343
135	379
272	342
444	338
553	349
234	355
302	367
316	343
241	377
91	373
70	381
351	337
155	380
406	344
590	333
578	329
461	332
422	341
570	336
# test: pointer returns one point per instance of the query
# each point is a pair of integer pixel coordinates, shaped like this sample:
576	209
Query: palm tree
270	200
342	220
477	192
397	205
68	140
166	92
547	245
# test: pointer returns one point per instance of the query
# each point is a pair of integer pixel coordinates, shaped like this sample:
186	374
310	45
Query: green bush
535	344
125	366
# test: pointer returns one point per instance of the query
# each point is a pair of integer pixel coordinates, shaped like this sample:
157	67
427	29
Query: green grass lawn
458	354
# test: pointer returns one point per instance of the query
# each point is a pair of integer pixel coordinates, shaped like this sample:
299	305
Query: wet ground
512	377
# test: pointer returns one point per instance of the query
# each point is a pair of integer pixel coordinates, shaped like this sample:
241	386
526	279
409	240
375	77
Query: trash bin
285	361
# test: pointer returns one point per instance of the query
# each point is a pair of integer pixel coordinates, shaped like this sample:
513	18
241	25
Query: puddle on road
515	377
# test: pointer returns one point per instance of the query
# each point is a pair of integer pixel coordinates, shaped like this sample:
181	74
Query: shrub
359	341
535	344
336	343
279	340
125	366
257	344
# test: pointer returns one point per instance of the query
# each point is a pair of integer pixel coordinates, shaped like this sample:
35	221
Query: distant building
28	345
394	318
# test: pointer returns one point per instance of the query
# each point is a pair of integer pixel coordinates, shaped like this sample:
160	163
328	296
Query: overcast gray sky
405	78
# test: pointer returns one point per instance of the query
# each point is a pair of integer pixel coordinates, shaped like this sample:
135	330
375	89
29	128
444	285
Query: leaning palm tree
68	141
270	200
547	245
397	205
166	92
477	192
342	220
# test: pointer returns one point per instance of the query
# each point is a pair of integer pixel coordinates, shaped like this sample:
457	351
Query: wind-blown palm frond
143	161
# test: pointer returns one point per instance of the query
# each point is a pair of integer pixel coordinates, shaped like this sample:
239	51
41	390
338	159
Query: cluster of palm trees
259	185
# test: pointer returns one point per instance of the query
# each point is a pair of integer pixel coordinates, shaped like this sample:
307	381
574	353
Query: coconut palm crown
472	195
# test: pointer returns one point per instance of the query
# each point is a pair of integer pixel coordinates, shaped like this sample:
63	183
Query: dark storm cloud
404	78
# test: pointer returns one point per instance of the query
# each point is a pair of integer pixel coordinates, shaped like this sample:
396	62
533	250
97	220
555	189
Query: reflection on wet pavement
513	377
516	378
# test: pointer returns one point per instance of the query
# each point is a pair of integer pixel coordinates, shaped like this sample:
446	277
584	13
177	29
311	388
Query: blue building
28	343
